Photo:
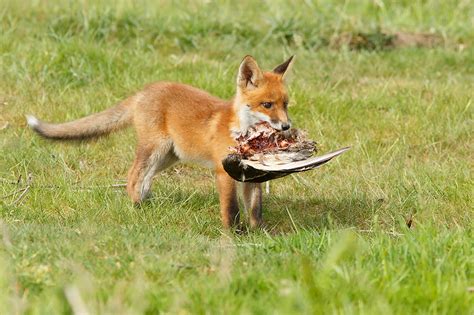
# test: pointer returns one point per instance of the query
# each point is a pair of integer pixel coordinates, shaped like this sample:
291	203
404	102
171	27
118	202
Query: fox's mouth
277	125
250	118
280	126
274	124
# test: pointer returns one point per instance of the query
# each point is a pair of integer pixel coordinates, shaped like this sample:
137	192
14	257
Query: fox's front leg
252	195
229	206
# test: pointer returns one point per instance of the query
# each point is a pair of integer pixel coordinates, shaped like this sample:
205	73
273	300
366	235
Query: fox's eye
267	105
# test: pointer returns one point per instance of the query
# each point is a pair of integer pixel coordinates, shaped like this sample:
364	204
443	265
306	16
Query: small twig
29	180
25	190
13	193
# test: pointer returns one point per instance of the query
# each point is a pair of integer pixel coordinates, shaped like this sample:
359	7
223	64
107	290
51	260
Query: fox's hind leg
149	159
252	195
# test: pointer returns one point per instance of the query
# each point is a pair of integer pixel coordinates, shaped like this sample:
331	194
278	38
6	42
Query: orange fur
178	122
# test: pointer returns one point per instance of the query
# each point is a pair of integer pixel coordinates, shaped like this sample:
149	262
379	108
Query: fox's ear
284	67
250	74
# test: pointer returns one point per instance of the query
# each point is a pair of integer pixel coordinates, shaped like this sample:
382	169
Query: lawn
385	228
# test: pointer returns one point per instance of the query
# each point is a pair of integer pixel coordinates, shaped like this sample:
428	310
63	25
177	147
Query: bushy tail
88	127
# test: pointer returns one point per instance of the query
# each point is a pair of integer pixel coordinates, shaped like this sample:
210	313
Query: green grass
337	239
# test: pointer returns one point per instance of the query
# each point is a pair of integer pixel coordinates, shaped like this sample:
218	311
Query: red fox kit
178	122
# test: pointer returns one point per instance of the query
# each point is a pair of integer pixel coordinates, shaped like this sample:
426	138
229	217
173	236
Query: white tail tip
32	121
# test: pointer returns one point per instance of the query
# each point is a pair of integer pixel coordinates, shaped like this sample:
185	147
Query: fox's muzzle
281	125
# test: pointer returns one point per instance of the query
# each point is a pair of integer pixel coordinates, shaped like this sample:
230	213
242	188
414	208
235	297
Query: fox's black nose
285	126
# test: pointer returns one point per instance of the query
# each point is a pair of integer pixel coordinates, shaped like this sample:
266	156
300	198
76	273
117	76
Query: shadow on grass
282	214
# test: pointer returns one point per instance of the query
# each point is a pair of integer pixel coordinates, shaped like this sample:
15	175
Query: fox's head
262	96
